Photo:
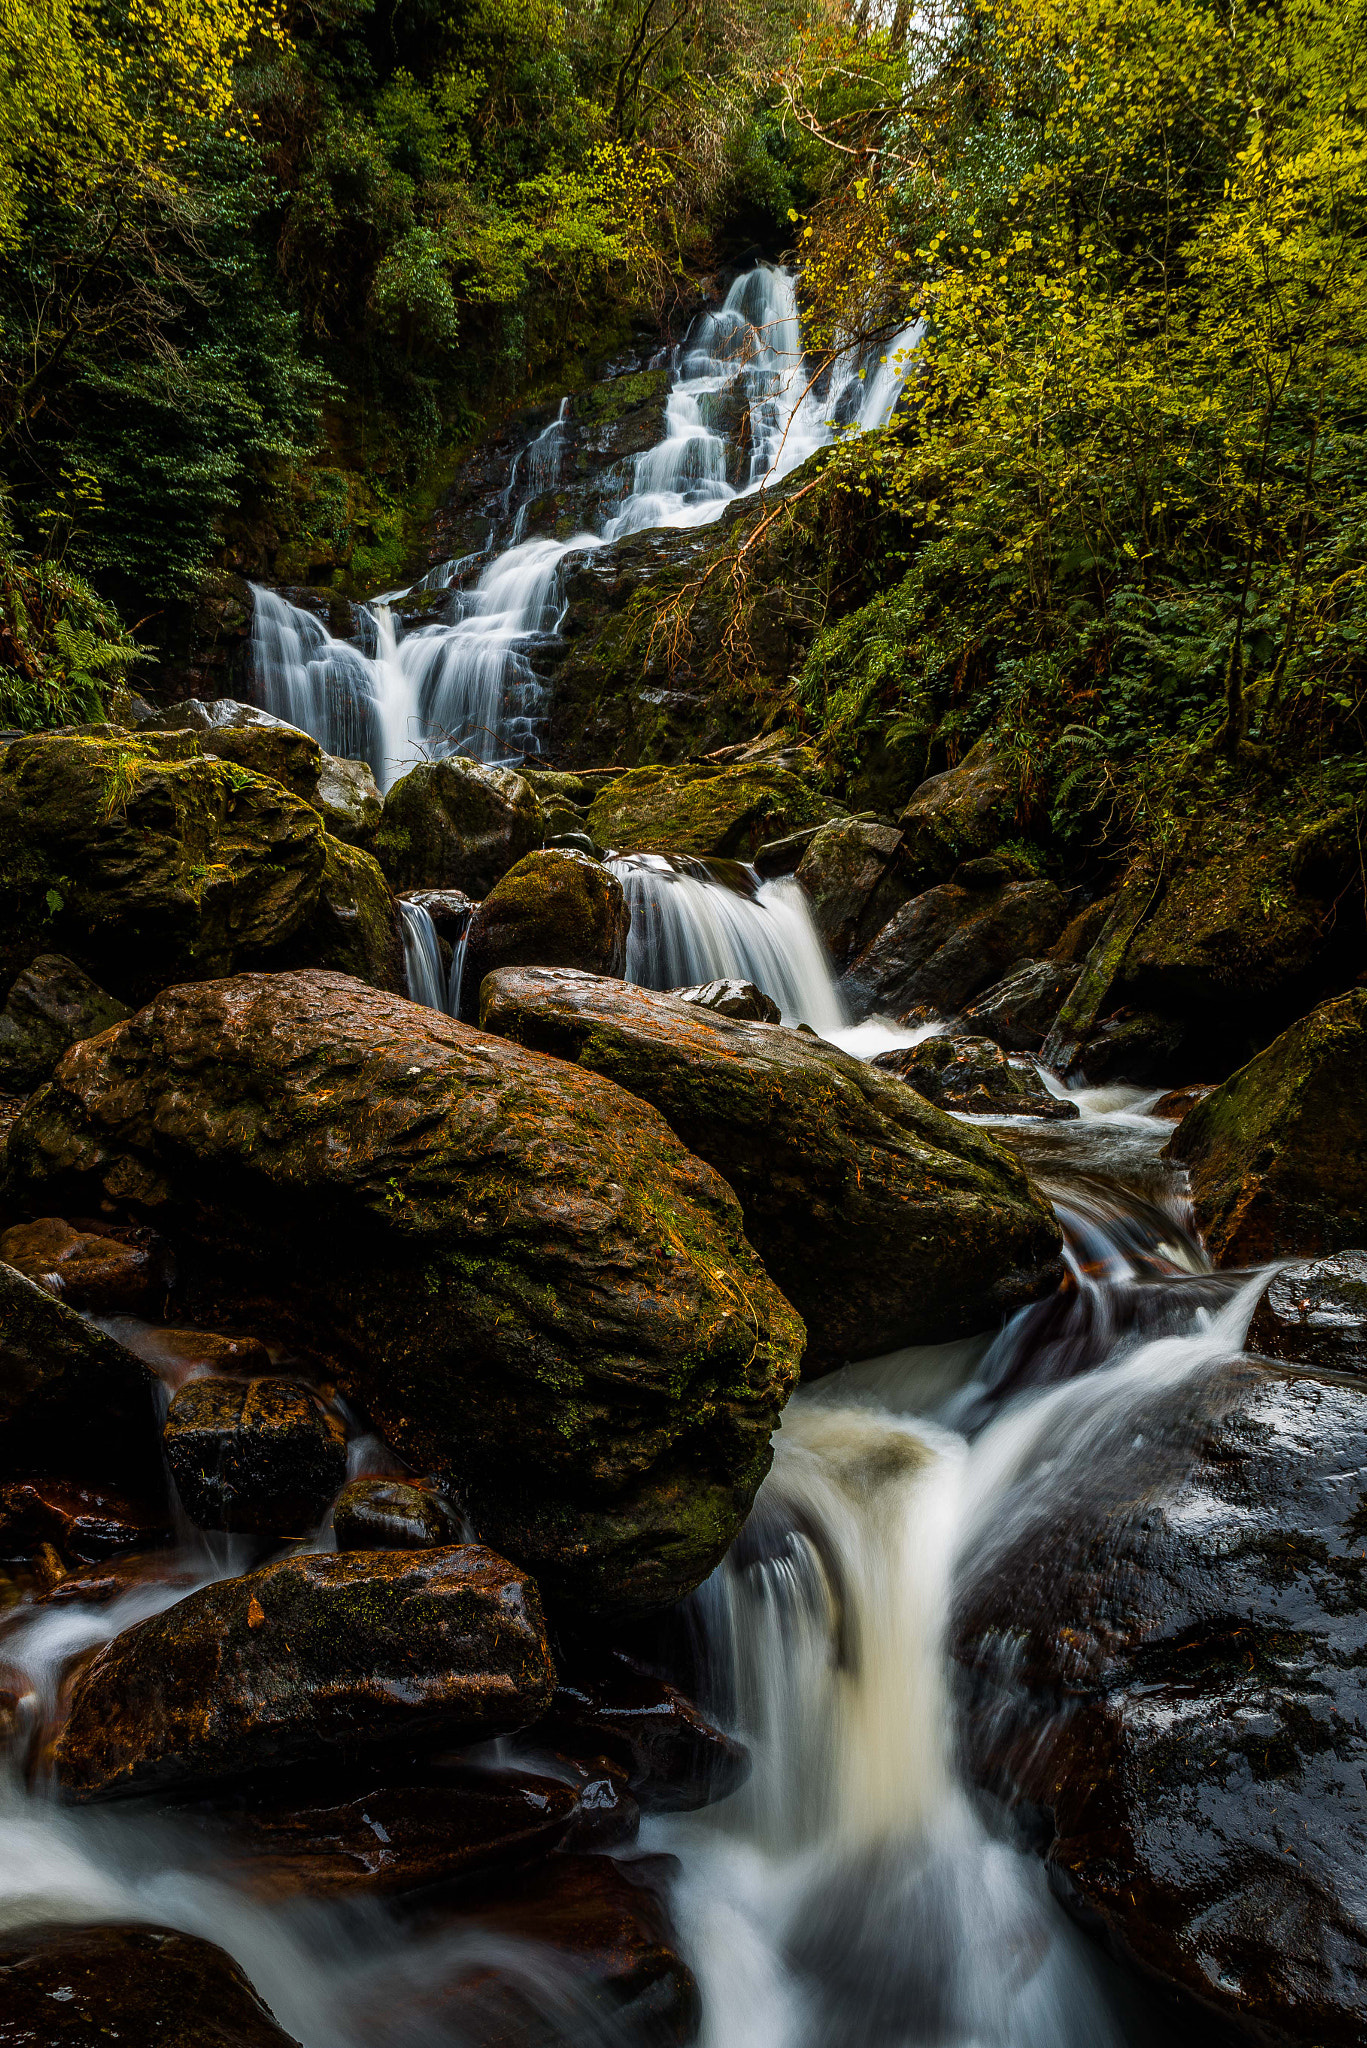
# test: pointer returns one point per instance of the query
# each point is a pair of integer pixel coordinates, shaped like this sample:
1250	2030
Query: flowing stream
466	683
853	1889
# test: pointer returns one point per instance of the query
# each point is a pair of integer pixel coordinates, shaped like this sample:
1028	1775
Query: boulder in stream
1018	1010
976	1078
62	1986
853	873
315	1654
885	1222
456	824
951	942
554	909
255	1456
70	1397
732	999
85	1268
1277	1157
53	1004
393	1514
724	811
1314	1313
515	1266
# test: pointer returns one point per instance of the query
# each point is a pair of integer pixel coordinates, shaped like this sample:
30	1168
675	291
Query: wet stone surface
256	1456
144	1987
390	1514
1314	1313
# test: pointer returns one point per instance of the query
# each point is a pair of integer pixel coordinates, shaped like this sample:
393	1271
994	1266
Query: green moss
720	812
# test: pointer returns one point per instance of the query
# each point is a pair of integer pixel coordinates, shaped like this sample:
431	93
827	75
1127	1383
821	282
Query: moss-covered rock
230	730
727	812
516	1267
884	1221
554	909
964	812
348	801
855	876
950	943
71	1399
309	1656
356	927
455	824
1278	1155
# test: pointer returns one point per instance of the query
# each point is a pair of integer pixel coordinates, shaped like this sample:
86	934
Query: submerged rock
727	812
554	909
69	1395
1277	1157
257	1456
518	1268
949	943
82	1267
854	875
390	1514
50	1006
884	1222
732	999
455	824
1314	1313
61	1986
975	1077
1018	1010
309	1655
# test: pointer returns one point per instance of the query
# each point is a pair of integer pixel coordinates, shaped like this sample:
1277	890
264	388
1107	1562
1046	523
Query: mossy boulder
966	811
455	824
1278	1156
53	1004
513	1265
307	1657
71	1399
146	862
884	1221
727	812
348	801
344	793
356	927
554	909
854	875
951	942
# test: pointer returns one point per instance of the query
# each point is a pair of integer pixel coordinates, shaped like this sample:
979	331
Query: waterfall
466	684
695	920
423	975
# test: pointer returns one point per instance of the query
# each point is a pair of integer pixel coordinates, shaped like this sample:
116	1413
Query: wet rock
1130	1047
309	1655
519	1270
962	813
1018	1010
554	909
256	1456
389	1514
50	1006
975	1077
455	824
177	1355
674	1758
608	1964
63	1986
884	1222
355	927
81	1267
855	877
147	864
325	1835
1179	1102
1166	1656
1314	1314
348	800
951	942
732	999
608	1815
96	1585
1275	1157
727	812
449	910
69	1393
254	739
84	1524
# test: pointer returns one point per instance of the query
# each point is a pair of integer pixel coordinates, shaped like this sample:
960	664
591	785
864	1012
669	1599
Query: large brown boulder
1278	1156
312	1655
554	909
61	1986
455	824
517	1267
884	1221
727	812
950	942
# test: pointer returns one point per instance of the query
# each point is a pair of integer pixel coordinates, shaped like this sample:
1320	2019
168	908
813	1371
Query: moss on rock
554	909
455	824
725	812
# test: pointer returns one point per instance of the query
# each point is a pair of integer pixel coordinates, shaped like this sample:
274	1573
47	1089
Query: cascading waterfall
466	684
424	976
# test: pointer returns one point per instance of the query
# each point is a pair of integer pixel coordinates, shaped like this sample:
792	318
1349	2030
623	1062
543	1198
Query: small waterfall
423	975
694	920
466	684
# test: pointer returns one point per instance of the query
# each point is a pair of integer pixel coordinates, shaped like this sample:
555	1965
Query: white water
466	684
423	975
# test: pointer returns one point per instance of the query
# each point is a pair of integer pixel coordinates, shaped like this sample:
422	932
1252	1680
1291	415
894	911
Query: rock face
727	812
347	798
389	1514
1314	1313
854	876
355	928
966	811
257	1456
884	1222
1018	1010
456	825
66	1385
309	1655
521	1272
554	909
1276	1156
50	1006
975	1077
1185	1724
145	862
62	1985
673	1757
83	1268
949	943
732	999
